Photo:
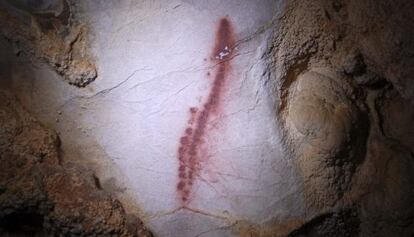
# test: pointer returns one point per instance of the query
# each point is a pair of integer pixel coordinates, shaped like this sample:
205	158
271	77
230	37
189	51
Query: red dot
182	168
189	131
197	139
193	110
181	152
180	185
184	140
192	160
192	152
181	175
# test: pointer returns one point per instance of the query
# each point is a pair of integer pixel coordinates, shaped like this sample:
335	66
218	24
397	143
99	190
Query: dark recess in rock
342	223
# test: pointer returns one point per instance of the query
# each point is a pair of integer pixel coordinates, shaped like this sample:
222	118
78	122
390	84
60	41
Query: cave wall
314	135
343	69
40	196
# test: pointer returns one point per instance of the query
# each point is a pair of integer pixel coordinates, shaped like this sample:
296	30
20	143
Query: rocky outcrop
48	31
39	196
328	131
345	102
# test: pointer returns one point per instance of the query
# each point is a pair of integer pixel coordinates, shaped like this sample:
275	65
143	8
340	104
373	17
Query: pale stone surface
153	61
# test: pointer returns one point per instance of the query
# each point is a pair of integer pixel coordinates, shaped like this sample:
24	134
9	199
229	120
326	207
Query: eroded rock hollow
207	118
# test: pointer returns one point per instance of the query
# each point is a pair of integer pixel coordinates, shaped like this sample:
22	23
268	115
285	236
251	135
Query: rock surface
346	108
48	31
41	197
309	132
160	64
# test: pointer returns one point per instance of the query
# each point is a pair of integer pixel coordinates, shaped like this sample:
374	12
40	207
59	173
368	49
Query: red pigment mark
189	153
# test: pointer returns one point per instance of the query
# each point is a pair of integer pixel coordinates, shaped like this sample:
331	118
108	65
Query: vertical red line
193	138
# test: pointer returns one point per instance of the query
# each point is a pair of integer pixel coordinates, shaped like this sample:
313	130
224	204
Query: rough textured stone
328	132
49	32
349	126
41	197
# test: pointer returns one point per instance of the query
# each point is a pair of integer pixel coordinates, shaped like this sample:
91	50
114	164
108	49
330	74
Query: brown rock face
346	109
51	35
41	197
329	132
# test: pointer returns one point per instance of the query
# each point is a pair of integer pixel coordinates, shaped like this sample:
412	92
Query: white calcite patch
155	62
